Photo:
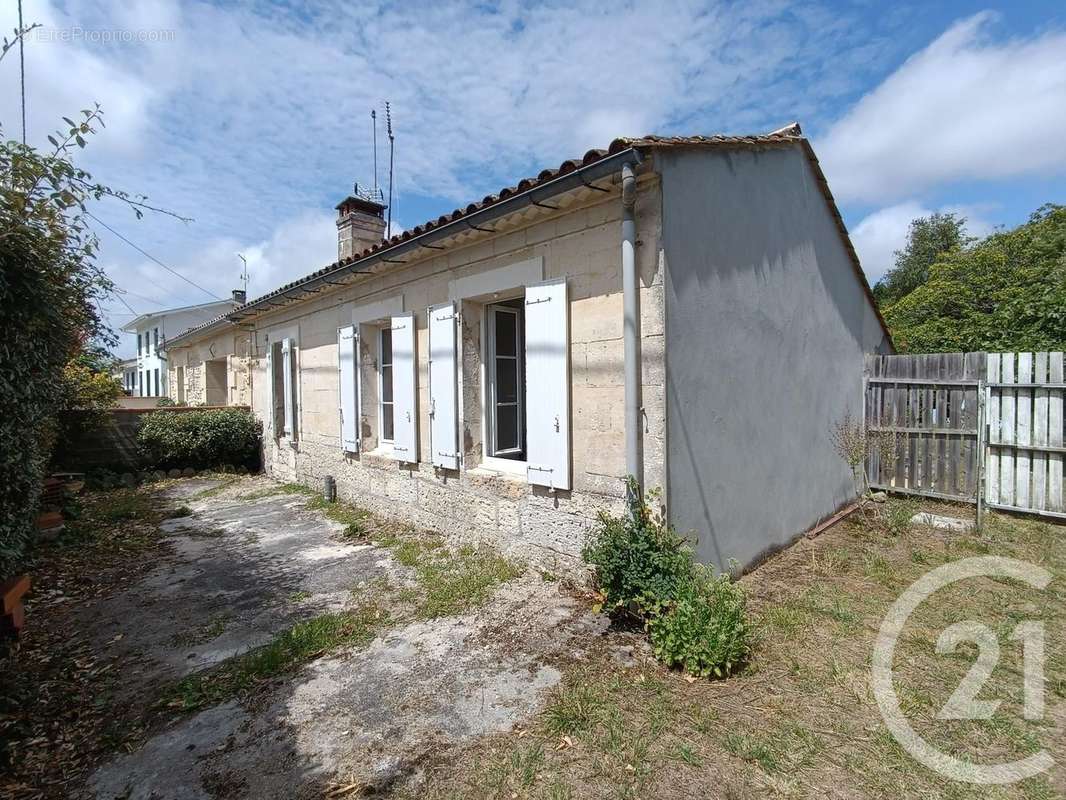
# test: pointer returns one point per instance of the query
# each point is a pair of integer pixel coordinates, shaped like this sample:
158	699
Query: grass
273	491
801	720
299	644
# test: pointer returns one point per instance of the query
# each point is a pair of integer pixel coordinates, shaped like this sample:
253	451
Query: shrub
705	631
200	439
645	571
641	564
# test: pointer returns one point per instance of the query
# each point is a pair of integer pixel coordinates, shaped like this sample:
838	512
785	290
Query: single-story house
685	310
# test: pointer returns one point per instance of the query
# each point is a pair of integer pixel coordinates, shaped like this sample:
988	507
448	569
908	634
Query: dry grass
801	722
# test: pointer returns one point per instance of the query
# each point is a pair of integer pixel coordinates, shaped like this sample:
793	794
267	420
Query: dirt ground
232	638
240	565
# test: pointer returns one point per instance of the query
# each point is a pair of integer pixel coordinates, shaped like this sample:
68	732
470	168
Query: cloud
965	107
880	234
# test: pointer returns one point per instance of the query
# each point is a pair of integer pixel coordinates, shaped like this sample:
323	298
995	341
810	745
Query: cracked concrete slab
370	716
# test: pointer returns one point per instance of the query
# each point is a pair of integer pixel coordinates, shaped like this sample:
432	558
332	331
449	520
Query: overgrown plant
855	442
646	572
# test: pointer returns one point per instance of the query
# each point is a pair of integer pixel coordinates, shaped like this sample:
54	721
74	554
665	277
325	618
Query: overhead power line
153	258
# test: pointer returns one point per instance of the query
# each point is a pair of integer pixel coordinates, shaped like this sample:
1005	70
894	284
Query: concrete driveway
246	565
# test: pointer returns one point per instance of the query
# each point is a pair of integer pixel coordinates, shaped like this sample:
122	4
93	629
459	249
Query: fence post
982	443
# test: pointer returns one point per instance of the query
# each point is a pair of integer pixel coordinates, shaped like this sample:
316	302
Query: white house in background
125	372
152	330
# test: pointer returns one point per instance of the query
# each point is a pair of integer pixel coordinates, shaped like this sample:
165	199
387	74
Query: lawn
800	720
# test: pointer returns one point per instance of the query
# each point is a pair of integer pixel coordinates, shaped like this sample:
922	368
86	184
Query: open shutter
347	350
548	385
405	413
270	415
443	389
288	386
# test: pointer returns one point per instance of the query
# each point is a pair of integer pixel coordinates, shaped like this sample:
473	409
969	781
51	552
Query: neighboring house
125	373
152	331
689	311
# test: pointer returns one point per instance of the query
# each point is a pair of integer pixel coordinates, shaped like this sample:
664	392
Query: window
156	382
385	389
140	382
155	340
505	380
138	344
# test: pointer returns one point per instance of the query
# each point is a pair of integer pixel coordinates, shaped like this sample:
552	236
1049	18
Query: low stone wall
521	521
112	445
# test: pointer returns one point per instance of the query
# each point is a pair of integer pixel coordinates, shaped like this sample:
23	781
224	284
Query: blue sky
253	117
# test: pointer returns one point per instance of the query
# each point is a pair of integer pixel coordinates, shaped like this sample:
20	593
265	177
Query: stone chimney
360	224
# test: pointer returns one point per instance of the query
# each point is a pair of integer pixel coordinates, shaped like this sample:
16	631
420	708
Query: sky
253	118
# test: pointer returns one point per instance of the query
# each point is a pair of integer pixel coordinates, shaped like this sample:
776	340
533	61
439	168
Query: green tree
927	240
1006	292
54	339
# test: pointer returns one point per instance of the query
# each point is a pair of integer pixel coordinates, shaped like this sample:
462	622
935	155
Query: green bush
200	439
641	564
705	631
645	571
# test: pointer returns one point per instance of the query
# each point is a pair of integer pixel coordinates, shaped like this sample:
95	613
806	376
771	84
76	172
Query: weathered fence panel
943	444
1025	432
926	408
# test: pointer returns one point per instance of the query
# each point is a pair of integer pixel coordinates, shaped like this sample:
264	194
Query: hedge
200	439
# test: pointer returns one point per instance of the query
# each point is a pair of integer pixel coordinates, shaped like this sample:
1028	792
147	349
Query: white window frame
510	466
381	386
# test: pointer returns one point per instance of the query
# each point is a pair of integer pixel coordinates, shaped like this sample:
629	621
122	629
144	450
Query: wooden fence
969	426
1025	393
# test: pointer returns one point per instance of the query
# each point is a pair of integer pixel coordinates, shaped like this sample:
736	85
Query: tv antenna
374	122
244	274
388	128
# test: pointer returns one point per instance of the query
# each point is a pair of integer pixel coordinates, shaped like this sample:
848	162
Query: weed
455	582
574	709
180	511
706	630
300	596
289	649
895	516
751	747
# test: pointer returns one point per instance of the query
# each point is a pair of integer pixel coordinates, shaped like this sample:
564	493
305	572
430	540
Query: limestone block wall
187	365
583	244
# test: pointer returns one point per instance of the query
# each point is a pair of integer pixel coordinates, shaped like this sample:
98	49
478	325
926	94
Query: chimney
239	296
360	224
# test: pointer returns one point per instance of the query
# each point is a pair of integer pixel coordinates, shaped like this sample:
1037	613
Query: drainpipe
631	337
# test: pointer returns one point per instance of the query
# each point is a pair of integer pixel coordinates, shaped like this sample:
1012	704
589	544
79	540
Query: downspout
631	339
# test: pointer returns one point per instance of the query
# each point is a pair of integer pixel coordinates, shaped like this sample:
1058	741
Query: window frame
382	402
510	459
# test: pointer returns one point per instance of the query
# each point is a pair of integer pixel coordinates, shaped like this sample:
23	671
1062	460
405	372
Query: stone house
688	311
152	371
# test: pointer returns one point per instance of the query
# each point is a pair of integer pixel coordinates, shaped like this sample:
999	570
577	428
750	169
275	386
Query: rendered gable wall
766	326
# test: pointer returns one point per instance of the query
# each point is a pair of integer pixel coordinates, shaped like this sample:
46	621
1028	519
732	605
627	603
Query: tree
1006	292
927	240
54	338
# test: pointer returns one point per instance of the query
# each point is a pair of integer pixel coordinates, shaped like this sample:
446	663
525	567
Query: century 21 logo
963	703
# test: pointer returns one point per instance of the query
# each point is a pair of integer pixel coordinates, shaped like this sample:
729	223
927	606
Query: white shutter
443	389
347	359
288	385
405	413
548	385
270	415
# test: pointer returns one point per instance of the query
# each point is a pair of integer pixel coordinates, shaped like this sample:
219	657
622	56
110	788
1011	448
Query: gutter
582	176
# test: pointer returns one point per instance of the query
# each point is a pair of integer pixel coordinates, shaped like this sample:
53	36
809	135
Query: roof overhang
433	240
